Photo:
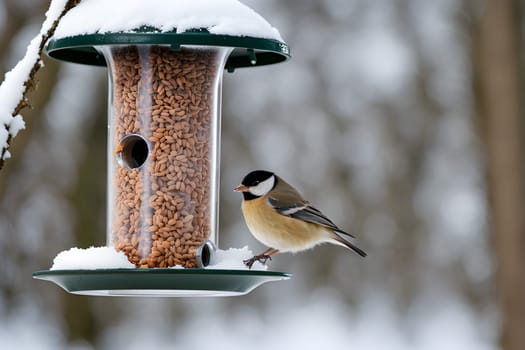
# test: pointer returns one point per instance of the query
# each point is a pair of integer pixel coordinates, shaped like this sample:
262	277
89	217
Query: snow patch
232	259
17	124
229	17
90	259
108	258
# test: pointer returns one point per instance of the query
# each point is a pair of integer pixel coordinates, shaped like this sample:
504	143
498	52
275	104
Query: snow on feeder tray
165	61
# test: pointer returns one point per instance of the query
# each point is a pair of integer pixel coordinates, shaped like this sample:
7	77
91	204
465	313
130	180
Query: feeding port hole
205	253
132	151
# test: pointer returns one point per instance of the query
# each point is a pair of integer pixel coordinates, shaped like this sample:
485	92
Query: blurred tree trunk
499	77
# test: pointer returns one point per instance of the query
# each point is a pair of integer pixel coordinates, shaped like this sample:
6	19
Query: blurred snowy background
377	119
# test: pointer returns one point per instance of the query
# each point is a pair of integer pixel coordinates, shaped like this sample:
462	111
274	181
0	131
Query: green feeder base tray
159	282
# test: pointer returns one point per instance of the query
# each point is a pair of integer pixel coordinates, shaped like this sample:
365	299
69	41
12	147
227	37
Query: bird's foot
262	258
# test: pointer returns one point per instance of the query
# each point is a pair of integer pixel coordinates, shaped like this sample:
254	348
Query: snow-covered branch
21	79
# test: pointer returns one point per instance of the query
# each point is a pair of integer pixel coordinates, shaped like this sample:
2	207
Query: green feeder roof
247	51
225	23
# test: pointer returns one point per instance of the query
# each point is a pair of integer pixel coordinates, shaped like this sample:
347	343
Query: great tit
278	217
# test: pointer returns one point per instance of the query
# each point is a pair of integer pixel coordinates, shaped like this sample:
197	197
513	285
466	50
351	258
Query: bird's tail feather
349	245
344	233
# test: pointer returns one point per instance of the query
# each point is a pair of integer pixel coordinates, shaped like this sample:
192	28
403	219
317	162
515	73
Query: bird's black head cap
255	177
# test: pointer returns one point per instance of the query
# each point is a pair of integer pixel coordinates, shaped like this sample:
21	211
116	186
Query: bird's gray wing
302	210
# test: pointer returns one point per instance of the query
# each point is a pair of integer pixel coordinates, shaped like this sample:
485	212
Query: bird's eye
255	183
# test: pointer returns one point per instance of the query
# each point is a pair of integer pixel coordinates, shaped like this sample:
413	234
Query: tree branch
30	83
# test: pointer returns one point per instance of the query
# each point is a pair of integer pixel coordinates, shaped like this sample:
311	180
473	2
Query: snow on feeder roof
227	23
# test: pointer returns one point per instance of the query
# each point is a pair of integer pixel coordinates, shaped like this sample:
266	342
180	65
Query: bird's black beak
241	188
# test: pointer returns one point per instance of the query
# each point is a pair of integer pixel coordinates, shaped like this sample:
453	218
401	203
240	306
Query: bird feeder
164	137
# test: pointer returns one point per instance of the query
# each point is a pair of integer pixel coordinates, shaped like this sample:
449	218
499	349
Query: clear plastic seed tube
163	151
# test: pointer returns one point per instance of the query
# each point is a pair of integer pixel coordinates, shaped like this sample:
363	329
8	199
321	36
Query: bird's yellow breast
278	231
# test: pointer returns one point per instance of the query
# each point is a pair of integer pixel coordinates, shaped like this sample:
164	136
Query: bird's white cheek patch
264	187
